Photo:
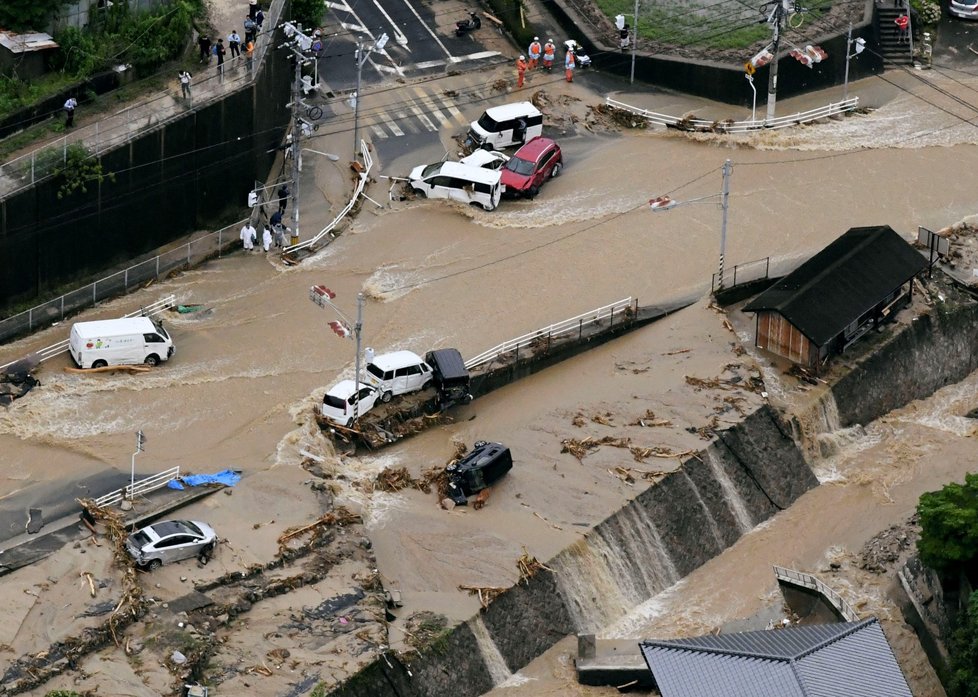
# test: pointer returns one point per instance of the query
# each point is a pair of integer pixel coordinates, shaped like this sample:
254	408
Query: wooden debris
578	420
486	593
529	566
260	670
649	420
91	582
341	516
395	479
603	419
553	525
673	353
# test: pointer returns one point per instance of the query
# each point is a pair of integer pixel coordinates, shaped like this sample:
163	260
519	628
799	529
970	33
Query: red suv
533	164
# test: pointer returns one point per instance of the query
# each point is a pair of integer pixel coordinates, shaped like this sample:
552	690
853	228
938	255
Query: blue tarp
226	477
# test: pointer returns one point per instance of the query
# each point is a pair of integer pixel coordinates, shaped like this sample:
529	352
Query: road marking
355	27
424	65
423	118
433	35
405	120
430	105
453	110
378	131
398	36
391	125
338	6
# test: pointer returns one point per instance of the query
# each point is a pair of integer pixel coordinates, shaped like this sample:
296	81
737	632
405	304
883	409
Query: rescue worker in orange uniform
534	53
520	71
548	55
569	65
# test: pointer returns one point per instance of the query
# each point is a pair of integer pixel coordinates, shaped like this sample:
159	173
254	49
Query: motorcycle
466	25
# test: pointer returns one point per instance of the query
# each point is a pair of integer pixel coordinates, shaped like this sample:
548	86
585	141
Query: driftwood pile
579	448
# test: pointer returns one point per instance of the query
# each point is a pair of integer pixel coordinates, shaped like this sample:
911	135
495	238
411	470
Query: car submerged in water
171	541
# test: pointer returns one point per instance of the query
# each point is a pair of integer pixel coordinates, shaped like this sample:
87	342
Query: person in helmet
549	50
520	71
534	53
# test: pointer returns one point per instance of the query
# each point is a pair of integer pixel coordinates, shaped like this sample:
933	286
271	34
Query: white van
126	341
394	373
502	126
477	186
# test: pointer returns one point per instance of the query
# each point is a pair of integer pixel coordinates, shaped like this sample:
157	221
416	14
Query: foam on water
391	282
582	205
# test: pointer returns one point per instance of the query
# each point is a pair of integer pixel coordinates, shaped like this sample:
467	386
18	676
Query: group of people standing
237	46
544	53
273	232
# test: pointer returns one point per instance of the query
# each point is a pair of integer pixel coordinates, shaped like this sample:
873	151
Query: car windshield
429	170
140	539
520	166
375	371
488	123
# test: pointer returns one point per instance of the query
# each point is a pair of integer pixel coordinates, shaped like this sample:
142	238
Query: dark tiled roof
850	276
829	660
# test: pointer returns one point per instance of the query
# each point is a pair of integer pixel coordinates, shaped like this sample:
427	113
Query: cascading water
711	521
735	501
495	663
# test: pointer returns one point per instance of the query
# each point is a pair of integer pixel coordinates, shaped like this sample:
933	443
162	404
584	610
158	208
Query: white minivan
395	373
477	186
125	341
506	125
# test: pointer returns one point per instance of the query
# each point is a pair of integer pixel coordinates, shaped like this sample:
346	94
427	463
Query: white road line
424	65
378	131
391	125
478	56
359	28
405	120
453	110
338	6
398	36
423	118
430	105
433	35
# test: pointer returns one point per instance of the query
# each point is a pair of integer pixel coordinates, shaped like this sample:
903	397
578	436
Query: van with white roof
476	186
126	341
396	373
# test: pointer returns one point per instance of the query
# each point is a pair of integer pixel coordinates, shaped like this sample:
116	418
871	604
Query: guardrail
622	308
742	273
729	125
143	486
62	346
363	176
800	578
186	255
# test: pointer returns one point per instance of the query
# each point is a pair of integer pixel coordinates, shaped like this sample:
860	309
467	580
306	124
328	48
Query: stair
894	51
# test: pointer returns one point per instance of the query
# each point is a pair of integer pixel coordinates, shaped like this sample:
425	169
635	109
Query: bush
963	650
927	12
949	527
308	13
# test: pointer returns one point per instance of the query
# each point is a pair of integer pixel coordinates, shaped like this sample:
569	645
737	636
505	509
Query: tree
79	170
308	13
963	651
949	526
26	15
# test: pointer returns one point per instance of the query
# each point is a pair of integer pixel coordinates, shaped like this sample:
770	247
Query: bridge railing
143	486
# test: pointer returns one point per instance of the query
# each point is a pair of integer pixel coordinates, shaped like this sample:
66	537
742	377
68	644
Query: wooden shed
22	55
859	281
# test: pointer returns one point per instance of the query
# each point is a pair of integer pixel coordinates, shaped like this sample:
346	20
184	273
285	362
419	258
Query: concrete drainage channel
746	475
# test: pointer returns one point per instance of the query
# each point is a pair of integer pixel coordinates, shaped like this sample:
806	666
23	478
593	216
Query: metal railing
62	346
731	126
120	283
742	273
143	486
363	177
117	128
575	325
800	578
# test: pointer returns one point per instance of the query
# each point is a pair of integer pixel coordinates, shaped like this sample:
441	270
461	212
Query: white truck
126	341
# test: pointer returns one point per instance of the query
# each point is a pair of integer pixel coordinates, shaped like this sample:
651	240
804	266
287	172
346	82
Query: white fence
799	578
62	346
575	325
363	176
729	125
143	486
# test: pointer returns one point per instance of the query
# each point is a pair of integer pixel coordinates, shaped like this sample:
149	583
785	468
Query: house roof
836	286
25	43
846	658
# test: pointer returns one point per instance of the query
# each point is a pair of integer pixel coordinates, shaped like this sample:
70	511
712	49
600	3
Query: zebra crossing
418	110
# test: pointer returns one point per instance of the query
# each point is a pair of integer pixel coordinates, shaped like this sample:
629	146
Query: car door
177	547
543	169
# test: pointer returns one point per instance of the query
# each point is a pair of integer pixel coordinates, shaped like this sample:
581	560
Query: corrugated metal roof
836	286
25	43
846	658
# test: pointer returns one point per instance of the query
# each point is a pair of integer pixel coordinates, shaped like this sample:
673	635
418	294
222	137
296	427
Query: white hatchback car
965	9
170	541
397	373
339	402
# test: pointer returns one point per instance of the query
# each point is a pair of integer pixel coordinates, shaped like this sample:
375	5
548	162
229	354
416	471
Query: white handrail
731	126
143	486
805	580
551	331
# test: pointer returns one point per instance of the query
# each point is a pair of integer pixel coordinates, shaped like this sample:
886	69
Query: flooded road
249	371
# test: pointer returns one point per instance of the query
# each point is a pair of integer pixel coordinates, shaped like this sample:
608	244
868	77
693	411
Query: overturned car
478	470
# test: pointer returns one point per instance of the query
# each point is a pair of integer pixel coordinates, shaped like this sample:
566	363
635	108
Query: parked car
965	9
396	373
450	377
341	401
487	159
171	541
478	470
534	163
503	126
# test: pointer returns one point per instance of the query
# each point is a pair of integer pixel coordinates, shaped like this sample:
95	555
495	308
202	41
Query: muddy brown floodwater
249	371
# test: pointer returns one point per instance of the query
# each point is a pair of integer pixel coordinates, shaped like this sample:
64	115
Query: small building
859	281
23	55
824	660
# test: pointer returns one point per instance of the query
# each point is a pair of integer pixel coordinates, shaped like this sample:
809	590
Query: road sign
340	329
321	295
749	68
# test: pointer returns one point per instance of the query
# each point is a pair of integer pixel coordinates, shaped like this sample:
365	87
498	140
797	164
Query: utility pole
634	42
298	43
356	380
724	198
777	18
363	53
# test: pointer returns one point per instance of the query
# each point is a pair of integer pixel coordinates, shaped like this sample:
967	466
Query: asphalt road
955	39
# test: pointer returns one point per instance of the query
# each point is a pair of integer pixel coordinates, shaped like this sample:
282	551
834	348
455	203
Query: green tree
26	15
963	651
949	526
79	170
308	13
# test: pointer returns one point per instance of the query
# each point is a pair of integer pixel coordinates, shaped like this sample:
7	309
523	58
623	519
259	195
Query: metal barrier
363	176
143	486
568	326
62	346
756	270
799	578
119	283
116	129
731	126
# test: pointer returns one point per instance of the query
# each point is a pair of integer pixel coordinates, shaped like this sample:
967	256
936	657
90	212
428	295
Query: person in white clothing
266	238
248	236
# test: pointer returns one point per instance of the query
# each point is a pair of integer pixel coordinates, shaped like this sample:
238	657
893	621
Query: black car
449	376
481	468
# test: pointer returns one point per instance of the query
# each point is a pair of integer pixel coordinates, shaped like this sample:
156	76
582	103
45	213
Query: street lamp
663	203
362	55
330	156
860	45
323	296
140	442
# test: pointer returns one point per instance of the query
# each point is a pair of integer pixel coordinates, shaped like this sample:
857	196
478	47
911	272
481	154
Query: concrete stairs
893	49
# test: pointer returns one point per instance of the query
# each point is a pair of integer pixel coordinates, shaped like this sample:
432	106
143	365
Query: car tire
205	554
488	207
386	397
426	385
99	364
556	170
152	360
420	193
154	564
532	192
